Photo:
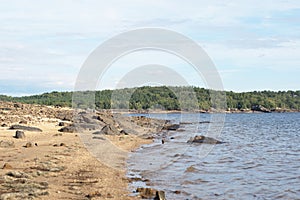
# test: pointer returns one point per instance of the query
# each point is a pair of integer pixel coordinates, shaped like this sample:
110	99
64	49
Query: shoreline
58	165
201	111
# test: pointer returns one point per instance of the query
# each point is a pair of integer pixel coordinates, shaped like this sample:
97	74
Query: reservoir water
260	158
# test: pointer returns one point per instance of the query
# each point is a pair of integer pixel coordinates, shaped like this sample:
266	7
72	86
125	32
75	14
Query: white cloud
49	40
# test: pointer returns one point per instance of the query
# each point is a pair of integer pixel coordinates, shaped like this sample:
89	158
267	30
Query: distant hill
166	98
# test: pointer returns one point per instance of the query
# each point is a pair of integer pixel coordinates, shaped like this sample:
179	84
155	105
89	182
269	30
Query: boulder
149	193
203	140
23	122
89	127
171	127
7	166
20	134
25	128
68	129
61	124
260	108
28	145
160	195
109	130
191	169
124	131
77	127
3	125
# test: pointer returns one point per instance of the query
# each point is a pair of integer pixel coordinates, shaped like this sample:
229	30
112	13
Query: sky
255	45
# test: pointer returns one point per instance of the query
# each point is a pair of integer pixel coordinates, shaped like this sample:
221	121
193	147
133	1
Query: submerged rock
171	127
149	193
203	140
160	195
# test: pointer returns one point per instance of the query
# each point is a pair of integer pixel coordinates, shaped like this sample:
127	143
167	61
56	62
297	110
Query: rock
68	129
109	130
7	144
7	166
64	115
28	145
98	118
4	125
147	193
160	195
20	134
171	127
109	195
18	174
191	169
203	140
25	128
23	122
125	132
61	124
177	192
60	145
93	194
18	105
87	119
260	108
86	126
57	134
99	138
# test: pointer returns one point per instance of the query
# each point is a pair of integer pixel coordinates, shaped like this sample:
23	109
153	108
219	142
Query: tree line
167	98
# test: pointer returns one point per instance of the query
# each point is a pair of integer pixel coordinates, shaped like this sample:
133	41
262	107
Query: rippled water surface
260	158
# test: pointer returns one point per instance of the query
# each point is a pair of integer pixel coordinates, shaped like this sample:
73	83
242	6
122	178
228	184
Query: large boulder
171	127
260	108
68	129
149	193
25	128
203	140
109	130
20	134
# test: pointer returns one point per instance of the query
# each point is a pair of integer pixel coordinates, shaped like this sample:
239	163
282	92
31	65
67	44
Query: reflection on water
260	159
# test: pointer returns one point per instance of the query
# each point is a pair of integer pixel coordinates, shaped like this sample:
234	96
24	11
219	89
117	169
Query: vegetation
168	98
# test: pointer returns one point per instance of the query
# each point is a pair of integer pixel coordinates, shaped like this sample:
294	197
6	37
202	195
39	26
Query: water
260	159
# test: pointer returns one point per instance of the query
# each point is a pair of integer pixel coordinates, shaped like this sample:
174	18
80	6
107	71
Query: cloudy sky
255	45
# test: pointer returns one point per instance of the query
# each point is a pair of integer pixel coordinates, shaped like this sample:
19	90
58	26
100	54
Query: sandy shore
57	165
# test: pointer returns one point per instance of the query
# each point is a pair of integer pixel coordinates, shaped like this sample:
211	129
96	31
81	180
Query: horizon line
40	93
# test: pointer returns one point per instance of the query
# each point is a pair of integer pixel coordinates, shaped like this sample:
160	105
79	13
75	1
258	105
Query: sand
58	165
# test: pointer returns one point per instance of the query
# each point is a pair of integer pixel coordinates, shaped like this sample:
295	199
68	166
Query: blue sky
255	45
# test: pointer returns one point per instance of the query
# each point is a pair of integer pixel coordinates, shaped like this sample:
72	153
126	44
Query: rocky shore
44	155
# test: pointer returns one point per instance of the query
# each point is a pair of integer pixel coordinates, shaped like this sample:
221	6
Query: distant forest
169	98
